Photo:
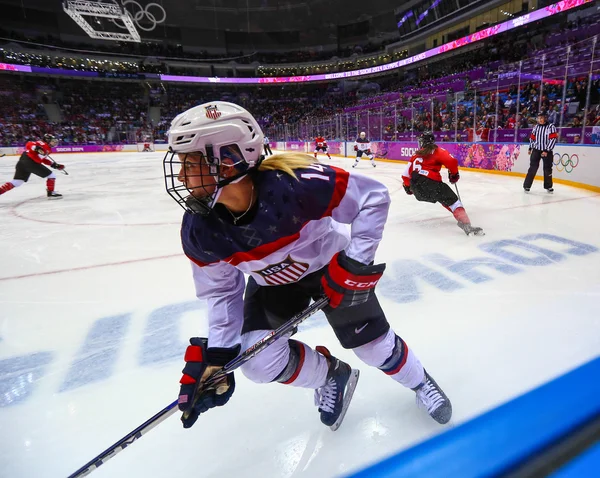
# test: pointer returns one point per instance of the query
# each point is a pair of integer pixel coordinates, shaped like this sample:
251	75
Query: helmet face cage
426	139
180	173
50	139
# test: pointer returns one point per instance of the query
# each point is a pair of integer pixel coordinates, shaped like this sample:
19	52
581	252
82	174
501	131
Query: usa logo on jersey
284	272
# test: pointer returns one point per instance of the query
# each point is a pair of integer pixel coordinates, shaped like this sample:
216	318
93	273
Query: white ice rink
97	304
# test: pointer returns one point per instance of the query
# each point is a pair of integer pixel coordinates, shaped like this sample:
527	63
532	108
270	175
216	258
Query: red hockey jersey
31	151
430	165
320	141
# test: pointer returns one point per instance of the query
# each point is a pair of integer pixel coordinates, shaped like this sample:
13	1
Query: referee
541	143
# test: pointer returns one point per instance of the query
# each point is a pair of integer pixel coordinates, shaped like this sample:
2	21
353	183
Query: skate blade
350	386
54	198
479	233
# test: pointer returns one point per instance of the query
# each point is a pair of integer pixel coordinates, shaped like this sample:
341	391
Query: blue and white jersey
363	144
297	227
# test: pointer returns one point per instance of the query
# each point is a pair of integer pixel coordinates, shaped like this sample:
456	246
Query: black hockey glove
201	363
347	282
58	166
453	178
407	190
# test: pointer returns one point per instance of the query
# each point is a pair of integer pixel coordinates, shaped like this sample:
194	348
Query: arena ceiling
248	15
235	25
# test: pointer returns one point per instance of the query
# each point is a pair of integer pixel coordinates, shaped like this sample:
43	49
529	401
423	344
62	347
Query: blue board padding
585	465
504	437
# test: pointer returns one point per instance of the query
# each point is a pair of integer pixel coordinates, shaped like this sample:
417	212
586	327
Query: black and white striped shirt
543	137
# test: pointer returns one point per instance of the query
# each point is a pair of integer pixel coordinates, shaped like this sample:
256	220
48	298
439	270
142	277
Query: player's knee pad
376	352
17	182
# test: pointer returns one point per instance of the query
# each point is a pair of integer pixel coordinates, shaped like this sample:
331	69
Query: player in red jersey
32	162
422	178
321	145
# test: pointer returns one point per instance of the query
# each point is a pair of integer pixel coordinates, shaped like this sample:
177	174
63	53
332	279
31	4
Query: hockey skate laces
325	396
430	397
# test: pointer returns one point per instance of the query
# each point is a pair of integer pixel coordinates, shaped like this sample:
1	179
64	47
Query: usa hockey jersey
362	144
297	227
430	165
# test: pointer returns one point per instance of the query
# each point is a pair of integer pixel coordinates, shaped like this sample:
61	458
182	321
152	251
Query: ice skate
54	195
526	189
335	396
468	229
432	398
373	164
354	165
550	190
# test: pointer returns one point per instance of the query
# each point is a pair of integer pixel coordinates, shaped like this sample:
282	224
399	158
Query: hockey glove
58	166
407	190
201	363
453	178
355	148
347	282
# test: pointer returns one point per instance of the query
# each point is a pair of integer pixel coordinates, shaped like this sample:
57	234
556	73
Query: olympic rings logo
565	162
142	13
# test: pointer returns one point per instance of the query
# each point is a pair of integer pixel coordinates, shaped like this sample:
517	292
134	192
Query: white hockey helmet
363	134
216	131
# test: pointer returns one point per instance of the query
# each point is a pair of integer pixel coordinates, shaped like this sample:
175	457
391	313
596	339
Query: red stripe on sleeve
341	184
532	136
553	135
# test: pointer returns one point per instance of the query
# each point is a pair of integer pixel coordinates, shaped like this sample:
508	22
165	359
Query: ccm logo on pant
361	285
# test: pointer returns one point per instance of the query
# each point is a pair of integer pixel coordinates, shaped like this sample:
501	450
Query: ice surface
97	304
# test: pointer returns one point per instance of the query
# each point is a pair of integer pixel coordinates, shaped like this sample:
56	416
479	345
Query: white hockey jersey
298	226
362	144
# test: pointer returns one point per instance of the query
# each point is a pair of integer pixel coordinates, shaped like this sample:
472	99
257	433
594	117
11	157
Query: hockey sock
50	184
403	366
6	187
461	215
315	155
328	155
305	368
390	354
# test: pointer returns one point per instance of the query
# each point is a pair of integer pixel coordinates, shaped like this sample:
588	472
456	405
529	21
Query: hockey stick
457	193
2	155
169	410
63	170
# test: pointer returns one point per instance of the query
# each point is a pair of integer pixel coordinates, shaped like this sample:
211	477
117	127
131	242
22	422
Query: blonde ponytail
287	162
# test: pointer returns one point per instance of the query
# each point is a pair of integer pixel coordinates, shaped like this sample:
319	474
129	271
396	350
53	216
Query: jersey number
417	164
317	167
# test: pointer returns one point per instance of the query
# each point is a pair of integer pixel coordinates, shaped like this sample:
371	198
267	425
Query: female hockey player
422	178
281	221
363	146
32	162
